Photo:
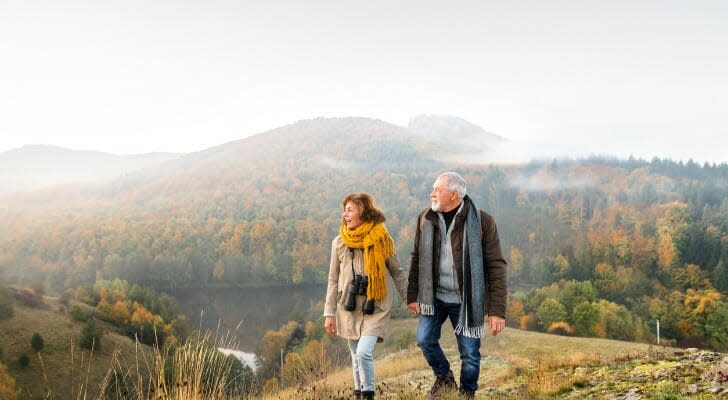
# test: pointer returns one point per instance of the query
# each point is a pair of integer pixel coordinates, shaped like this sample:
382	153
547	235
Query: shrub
66	296
77	313
23	360
560	328
28	297
36	341
404	339
90	335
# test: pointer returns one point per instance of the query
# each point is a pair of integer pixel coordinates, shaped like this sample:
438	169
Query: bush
28	297
77	313
90	335
36	341
404	339
66	296
24	361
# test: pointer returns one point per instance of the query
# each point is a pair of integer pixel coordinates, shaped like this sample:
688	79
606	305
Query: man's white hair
454	183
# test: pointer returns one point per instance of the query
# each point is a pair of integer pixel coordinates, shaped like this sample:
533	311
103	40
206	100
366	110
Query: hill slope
528	365
61	367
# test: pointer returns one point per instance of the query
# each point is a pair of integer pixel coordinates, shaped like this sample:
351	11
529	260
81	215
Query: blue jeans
428	338
362	362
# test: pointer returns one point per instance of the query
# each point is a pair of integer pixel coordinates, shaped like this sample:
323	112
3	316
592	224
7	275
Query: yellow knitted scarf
378	245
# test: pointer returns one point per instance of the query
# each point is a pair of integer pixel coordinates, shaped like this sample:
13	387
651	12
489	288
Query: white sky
130	76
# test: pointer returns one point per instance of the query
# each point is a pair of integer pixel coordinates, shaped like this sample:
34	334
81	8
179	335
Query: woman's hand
330	325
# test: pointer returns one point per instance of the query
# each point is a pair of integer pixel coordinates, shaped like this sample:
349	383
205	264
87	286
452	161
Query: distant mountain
37	166
462	141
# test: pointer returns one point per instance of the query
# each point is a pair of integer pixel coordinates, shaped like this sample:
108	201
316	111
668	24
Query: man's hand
414	308
496	324
330	325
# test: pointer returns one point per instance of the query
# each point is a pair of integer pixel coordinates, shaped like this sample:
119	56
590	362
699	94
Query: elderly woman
358	302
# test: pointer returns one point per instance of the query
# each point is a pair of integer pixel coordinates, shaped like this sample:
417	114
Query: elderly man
457	271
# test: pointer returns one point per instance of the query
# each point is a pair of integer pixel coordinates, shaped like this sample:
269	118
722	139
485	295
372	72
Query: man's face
442	199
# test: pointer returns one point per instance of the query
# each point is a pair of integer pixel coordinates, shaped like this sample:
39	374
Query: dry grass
61	367
516	364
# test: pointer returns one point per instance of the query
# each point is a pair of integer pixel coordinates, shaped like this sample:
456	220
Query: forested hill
648	236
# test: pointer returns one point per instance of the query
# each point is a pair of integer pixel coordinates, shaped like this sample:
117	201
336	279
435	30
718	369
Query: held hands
330	325
414	308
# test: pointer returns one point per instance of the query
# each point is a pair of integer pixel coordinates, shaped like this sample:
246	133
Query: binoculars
358	287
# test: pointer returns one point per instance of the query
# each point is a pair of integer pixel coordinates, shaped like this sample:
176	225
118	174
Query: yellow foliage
528	322
143	316
514	312
271	386
560	328
7	384
701	302
686	327
119	313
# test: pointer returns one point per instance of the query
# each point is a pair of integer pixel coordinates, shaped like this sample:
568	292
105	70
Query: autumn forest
596	247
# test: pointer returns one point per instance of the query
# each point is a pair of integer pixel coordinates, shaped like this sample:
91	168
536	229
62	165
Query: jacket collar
432	215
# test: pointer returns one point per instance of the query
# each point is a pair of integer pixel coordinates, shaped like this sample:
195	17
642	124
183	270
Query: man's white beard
435	206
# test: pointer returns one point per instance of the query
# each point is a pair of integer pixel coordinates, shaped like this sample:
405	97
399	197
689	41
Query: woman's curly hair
370	212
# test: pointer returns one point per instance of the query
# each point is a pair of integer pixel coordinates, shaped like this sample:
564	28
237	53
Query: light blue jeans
362	362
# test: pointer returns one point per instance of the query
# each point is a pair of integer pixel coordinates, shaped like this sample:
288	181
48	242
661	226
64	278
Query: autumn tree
550	311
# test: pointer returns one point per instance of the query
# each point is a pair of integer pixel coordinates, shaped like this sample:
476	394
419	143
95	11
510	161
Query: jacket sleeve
414	272
332	290
495	267
398	276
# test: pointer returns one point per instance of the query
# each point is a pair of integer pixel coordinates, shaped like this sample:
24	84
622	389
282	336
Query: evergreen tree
23	360
90	335
36	341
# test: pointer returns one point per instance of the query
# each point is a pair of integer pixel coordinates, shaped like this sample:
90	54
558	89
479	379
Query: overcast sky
646	78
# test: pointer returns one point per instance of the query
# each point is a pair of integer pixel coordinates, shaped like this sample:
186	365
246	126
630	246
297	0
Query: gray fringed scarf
472	306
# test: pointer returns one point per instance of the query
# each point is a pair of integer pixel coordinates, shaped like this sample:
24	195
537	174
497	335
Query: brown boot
367	394
442	385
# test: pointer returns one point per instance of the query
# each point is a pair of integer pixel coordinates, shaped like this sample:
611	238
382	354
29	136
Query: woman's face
352	215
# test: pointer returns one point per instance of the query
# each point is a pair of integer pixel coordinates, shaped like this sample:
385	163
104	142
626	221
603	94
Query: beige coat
354	324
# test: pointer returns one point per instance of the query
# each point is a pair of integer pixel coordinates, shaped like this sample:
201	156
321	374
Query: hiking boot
466	394
442	385
367	394
357	394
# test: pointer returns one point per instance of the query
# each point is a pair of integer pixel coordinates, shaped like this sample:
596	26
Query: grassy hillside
61	367
516	365
529	365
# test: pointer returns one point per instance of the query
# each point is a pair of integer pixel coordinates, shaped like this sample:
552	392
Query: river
254	309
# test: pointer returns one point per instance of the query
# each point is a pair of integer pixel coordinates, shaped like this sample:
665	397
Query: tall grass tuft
194	370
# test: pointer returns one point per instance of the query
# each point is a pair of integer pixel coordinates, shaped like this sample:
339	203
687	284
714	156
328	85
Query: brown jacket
354	324
493	261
